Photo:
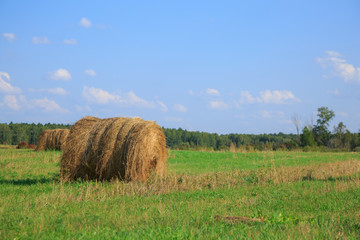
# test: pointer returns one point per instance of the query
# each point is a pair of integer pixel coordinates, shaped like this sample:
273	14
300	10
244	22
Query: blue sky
215	66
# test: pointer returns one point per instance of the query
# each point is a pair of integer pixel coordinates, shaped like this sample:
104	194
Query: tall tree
307	138
321	131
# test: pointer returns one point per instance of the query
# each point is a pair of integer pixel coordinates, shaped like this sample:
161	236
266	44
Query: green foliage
321	132
307	138
14	133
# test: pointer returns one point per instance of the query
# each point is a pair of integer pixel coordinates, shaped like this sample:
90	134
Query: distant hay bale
53	139
129	149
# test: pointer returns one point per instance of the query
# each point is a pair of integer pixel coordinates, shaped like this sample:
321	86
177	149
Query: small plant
32	146
22	145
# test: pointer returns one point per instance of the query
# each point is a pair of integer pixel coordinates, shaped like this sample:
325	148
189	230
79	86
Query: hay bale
128	149
53	139
75	145
42	142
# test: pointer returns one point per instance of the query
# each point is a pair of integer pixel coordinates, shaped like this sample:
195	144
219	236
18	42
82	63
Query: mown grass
292	195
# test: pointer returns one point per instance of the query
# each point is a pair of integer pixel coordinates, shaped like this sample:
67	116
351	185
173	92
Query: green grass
192	162
199	186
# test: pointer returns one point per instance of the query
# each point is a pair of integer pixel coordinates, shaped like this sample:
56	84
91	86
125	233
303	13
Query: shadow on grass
27	182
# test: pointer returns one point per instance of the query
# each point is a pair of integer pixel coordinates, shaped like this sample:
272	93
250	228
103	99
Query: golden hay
128	149
53	139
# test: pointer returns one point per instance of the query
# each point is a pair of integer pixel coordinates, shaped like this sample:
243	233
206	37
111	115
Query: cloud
84	22
90	72
40	40
97	95
19	102
340	67
265	114
60	74
342	114
56	91
211	91
100	96
334	92
246	97
268	114
268	97
180	108
10	37
11	102
70	41
6	87
218	105
47	105
277	97
163	107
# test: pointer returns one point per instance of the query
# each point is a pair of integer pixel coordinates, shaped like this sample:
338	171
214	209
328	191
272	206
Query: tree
321	132
307	138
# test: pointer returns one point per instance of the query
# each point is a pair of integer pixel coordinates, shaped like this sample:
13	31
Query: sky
213	66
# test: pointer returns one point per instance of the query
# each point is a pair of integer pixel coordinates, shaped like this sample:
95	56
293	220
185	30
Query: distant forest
316	137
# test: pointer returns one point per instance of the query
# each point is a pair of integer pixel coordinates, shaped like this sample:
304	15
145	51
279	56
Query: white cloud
268	97
100	96
90	72
218	105
211	91
6	87
191	93
265	114
277	97
84	22
11	102
268	114
163	107
97	95
40	40
334	92
60	74
47	105
70	41
180	108
19	102
57	91
342	114
246	97
135	100
10	37
340	67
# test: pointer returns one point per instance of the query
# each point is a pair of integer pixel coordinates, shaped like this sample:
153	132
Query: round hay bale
74	147
60	138
52	139
42	142
129	149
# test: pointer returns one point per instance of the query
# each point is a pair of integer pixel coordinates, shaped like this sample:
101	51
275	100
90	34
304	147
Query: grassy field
205	195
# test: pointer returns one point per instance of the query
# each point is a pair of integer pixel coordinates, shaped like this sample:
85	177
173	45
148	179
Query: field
205	195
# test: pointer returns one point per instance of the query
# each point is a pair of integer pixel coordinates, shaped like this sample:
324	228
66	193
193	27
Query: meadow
205	195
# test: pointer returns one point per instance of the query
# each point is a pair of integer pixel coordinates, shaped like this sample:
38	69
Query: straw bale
53	139
128	149
75	145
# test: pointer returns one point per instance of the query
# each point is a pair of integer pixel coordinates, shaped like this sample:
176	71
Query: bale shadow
26	182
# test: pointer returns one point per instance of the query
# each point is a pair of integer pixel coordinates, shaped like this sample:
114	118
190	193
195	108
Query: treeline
319	135
182	139
311	138
14	133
